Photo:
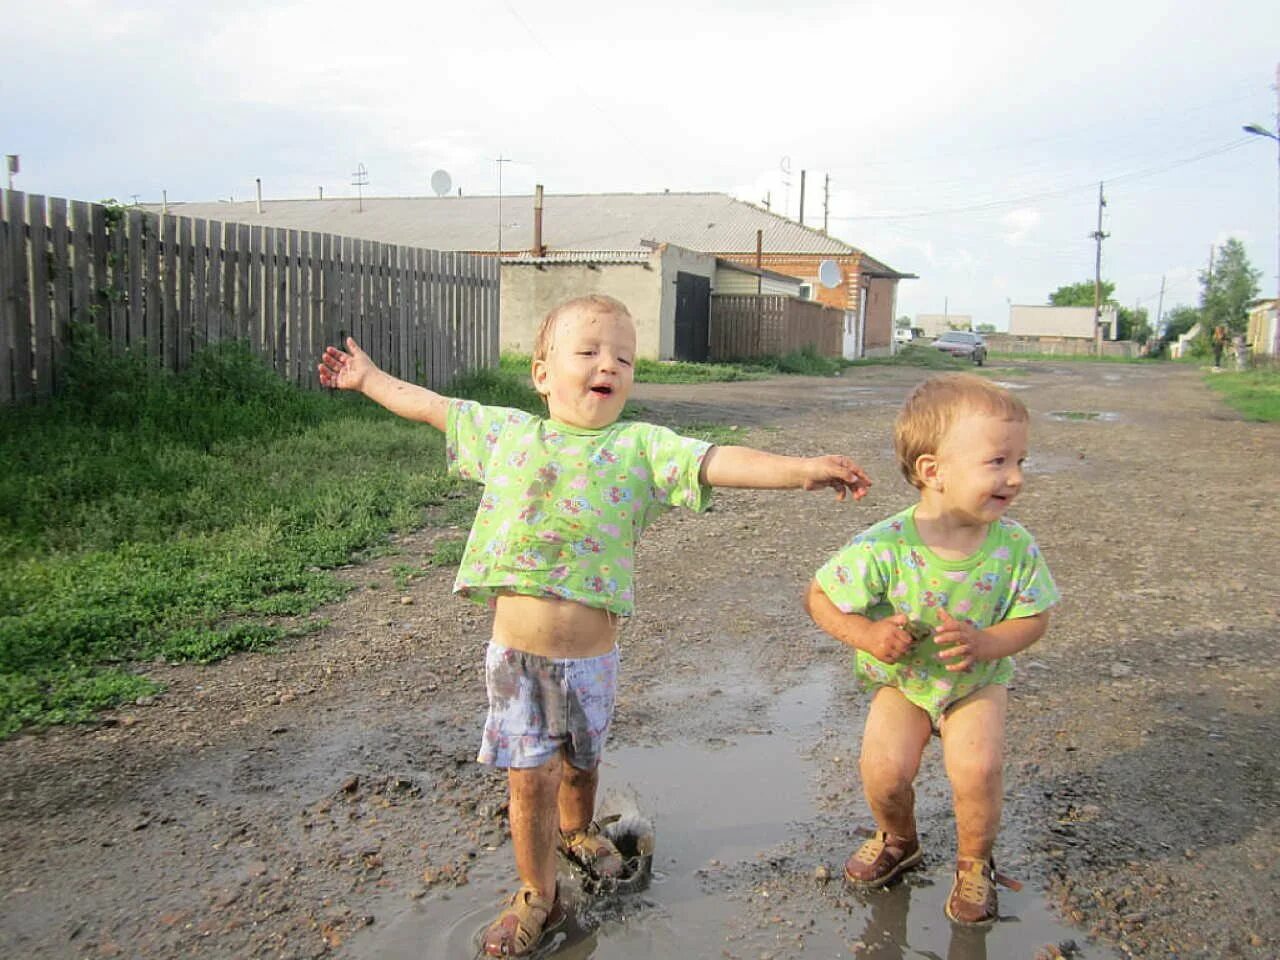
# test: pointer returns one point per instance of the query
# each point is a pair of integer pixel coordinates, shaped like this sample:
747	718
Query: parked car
903	334
964	345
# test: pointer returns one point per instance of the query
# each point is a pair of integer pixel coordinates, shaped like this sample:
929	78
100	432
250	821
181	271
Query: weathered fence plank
60	281
41	361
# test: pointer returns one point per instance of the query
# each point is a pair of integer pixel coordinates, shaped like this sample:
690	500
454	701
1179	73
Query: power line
1050	194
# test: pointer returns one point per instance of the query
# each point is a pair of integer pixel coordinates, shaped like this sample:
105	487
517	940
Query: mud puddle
729	875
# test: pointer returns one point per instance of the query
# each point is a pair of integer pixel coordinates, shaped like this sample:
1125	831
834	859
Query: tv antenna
441	182
359	180
500	161
785	166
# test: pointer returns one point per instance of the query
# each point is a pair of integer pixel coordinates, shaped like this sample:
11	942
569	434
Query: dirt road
322	799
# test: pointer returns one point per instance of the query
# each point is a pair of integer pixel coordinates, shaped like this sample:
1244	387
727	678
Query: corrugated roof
706	222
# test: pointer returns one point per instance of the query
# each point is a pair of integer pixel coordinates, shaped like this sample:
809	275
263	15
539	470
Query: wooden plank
81	262
100	306
315	332
280	309
186	287
326	294
213	282
41	325
152	311
134	329
18	269
231	317
256	271
170	320
199	284
8	304
60	278
118	271
244	269
294	322
267	308
436	331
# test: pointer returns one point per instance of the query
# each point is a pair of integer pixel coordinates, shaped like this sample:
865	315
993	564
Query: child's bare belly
549	627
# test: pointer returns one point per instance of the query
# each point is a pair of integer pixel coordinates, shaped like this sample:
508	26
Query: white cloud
1019	223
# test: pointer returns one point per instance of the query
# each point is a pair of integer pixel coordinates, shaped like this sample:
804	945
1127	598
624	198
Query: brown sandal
593	852
882	858
521	924
972	901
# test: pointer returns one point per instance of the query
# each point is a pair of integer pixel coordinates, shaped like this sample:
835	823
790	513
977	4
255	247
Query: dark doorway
693	317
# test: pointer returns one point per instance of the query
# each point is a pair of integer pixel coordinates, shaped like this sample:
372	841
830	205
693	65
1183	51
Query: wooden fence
744	327
169	285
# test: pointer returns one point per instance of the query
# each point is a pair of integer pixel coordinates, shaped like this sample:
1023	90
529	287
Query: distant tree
1081	294
1225	293
986	328
904	323
1139	326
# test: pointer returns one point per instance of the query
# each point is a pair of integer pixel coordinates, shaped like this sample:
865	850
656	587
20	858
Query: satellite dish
441	182
829	274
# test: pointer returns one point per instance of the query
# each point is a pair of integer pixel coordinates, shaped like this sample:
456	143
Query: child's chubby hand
345	370
961	641
887	639
837	472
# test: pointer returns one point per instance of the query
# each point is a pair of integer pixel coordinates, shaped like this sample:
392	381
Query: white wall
935	323
1045	321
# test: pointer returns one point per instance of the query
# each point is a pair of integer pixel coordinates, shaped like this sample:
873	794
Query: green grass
915	355
151	516
1254	393
146	515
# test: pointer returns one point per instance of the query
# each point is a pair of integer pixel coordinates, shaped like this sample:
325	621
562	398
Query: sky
963	143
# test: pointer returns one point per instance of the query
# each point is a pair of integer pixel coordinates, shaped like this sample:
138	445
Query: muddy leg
892	744
534	823
577	797
973	750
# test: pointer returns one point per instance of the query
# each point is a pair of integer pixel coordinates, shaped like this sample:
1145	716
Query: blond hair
933	406
597	303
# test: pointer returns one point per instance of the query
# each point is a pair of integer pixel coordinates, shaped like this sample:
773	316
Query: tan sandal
521	924
883	857
593	852
972	901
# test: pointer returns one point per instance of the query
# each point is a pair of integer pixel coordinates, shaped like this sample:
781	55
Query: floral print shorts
540	705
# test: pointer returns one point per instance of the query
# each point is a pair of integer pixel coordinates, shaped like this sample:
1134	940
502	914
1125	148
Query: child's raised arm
354	370
756	469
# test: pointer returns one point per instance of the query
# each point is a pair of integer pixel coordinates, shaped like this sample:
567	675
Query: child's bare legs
534	816
543	801
577	797
973	751
892	743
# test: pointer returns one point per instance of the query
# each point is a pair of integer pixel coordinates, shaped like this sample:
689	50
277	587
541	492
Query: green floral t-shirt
887	569
563	506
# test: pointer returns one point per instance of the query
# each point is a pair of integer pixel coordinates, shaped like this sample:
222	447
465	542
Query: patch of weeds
1255	394
916	355
70	694
403	573
447	553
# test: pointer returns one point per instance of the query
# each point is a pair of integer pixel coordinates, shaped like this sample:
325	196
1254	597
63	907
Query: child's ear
539	376
927	471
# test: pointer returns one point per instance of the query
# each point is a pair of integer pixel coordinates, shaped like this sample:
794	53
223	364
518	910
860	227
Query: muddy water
726	814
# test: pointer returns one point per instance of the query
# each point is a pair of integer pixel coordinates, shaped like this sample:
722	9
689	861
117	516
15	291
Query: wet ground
322	800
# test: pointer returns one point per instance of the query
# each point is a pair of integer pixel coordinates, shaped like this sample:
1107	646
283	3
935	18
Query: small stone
406	601
822	874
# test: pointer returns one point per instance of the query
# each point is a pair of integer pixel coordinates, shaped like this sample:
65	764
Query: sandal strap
986	871
879	841
521	923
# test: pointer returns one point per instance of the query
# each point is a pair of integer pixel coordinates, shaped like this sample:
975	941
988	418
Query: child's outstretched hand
341	370
840	473
962	642
887	639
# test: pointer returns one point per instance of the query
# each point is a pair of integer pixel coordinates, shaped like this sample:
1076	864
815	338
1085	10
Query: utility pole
826	200
1098	237
802	173
500	161
1159	309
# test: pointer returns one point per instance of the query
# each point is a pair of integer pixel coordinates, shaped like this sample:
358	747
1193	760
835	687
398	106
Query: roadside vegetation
151	516
1254	393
